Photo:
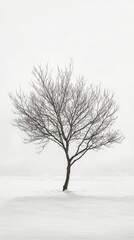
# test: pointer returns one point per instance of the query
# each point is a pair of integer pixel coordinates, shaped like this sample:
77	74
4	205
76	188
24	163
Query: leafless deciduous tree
76	117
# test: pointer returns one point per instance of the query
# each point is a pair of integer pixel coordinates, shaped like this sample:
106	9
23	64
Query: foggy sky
99	36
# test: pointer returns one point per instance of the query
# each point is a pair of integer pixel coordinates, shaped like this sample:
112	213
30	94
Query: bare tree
76	117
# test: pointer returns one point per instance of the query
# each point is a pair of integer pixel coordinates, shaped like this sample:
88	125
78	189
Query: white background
99	36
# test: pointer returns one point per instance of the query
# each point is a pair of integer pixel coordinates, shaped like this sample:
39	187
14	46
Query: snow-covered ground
95	208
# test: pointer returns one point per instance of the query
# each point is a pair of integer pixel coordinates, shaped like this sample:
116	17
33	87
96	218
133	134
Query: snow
95	208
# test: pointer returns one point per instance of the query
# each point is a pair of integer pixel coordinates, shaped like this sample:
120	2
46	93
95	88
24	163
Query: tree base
65	186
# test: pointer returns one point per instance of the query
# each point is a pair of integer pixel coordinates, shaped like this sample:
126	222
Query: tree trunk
67	177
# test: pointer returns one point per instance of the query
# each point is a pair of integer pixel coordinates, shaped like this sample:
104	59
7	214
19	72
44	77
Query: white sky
99	36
